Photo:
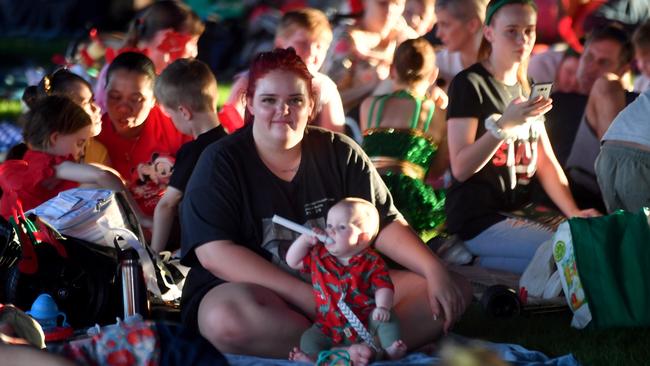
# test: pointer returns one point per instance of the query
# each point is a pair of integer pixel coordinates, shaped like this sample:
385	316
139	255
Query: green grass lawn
551	334
9	109
223	89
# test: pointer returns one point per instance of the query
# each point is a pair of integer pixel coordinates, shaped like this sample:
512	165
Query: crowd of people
452	143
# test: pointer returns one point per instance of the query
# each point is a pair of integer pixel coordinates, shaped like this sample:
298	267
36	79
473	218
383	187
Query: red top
32	180
360	279
145	162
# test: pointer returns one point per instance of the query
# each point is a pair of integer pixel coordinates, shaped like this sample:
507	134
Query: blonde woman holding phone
498	143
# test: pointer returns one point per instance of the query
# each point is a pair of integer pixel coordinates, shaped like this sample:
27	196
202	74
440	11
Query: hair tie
494	7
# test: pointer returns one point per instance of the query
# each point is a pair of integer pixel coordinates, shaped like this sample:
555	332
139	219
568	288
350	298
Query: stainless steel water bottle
134	290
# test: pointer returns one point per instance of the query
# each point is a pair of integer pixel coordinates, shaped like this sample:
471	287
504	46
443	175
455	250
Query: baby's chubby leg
389	336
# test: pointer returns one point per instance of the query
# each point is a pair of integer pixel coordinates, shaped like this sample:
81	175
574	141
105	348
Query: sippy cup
45	311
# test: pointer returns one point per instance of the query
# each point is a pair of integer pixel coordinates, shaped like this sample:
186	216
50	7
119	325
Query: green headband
495	6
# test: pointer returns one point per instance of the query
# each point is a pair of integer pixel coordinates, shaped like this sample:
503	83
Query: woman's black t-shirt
232	196
502	184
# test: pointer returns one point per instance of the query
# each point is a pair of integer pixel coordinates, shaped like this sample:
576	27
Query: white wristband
496	131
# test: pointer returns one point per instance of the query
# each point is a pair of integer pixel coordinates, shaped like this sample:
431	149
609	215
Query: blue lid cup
45	311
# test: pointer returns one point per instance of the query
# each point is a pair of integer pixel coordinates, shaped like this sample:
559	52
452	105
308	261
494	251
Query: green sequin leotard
402	157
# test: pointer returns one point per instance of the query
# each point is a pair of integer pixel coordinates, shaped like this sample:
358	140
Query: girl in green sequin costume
400	139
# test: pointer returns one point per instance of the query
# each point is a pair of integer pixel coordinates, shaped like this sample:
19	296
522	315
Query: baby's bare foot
297	355
396	350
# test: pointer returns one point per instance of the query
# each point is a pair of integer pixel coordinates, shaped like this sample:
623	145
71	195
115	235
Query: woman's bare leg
250	319
417	326
27	355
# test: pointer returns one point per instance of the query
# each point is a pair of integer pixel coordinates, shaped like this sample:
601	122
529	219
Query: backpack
105	217
81	276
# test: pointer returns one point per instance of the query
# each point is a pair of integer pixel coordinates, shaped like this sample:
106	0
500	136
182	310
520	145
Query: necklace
277	169
294	169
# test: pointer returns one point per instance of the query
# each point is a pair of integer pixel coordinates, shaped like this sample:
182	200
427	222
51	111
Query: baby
346	266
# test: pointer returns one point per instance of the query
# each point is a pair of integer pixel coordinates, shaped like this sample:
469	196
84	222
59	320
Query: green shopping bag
613	258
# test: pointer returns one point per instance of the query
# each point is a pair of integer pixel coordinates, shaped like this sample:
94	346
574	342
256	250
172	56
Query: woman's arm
25	355
163	218
554	181
440	162
398	241
438	132
236	263
467	155
332	115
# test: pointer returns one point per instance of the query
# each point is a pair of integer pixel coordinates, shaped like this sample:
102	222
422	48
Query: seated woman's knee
225	325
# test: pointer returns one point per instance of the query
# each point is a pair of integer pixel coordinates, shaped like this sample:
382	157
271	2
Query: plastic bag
75	212
568	270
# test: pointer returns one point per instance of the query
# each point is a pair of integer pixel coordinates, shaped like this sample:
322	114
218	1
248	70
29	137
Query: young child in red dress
347	266
56	132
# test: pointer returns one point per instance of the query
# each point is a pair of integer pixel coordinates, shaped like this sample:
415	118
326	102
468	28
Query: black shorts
198	282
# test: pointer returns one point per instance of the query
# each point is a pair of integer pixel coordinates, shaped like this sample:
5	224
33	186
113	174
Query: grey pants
313	340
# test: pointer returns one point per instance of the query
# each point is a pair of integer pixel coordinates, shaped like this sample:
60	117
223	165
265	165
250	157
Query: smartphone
543	89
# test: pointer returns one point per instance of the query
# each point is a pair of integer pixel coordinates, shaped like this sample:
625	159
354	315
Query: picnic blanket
514	354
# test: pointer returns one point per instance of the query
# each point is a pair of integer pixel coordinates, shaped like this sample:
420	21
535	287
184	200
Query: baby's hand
308	239
319	232
381	314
